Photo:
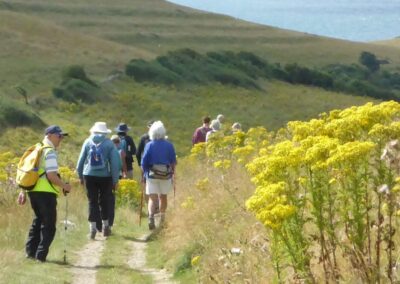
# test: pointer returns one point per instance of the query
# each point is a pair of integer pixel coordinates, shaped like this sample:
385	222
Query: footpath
85	269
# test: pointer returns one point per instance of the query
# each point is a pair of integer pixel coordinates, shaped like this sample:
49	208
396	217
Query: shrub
76	72
143	71
75	90
76	86
14	114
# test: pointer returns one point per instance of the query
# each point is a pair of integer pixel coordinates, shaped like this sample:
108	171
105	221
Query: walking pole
174	183
65	227
141	204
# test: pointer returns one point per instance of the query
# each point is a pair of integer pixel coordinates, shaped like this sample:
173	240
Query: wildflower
195	260
222	164
383	189
202	184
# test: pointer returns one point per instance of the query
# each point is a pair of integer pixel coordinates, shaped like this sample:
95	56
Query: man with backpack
98	168
200	133
43	196
128	146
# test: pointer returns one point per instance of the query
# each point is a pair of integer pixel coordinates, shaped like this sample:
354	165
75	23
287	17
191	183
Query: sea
354	20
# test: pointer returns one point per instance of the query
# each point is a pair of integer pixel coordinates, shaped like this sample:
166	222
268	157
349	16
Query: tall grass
207	219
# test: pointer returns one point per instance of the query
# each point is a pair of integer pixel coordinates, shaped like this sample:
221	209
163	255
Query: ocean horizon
356	20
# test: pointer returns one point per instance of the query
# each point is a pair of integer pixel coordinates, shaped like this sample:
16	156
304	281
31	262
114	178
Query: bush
75	90
143	71
76	72
13	114
76	86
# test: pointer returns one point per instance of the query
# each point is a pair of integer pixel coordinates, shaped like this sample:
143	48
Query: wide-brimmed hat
100	127
55	129
122	127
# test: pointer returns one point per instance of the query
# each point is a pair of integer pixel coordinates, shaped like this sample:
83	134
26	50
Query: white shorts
158	186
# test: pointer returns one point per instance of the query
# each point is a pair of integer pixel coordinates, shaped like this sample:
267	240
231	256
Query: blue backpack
96	156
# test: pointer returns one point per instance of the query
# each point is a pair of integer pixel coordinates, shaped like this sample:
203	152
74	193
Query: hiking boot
152	225
106	231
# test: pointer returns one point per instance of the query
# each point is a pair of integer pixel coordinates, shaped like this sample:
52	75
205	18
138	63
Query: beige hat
115	138
100	127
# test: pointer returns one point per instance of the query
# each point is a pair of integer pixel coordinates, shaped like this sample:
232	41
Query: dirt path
85	269
138	262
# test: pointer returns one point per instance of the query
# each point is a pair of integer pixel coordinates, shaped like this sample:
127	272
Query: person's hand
66	189
21	198
115	187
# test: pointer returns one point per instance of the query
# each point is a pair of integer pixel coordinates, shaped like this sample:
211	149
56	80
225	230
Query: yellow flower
188	203
222	164
195	260
202	184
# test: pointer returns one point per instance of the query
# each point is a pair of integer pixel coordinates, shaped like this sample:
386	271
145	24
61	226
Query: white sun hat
100	127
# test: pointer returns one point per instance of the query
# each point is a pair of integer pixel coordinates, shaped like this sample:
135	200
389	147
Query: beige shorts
158	186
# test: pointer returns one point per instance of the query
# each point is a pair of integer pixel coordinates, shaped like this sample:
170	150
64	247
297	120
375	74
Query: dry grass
15	224
215	224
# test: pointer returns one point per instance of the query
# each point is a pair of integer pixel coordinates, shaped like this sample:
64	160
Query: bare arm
54	179
124	166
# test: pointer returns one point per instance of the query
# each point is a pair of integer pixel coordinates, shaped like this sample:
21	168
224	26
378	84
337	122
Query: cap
55	129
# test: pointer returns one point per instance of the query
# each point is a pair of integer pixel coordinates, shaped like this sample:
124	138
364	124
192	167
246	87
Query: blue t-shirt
158	152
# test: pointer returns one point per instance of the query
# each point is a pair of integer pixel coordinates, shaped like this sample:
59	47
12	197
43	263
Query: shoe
152	225
107	231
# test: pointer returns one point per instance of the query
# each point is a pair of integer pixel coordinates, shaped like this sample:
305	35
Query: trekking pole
65	227
141	204
174	183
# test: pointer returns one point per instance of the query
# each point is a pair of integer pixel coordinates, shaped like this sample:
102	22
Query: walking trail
138	262
84	271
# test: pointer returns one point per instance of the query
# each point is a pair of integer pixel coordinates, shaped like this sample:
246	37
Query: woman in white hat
98	169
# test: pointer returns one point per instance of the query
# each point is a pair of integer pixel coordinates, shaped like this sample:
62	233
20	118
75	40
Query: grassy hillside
39	36
391	42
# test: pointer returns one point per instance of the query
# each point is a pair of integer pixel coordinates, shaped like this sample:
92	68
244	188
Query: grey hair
215	125
236	126
157	131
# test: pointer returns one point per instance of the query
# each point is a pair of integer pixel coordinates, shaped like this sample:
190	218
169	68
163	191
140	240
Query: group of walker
210	127
101	163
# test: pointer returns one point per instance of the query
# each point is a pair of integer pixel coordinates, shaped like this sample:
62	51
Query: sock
105	223
92	226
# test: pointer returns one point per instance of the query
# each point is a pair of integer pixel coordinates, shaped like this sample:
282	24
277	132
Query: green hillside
41	38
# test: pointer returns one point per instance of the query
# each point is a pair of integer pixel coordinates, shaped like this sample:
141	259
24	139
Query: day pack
130	149
96	156
28	167
160	172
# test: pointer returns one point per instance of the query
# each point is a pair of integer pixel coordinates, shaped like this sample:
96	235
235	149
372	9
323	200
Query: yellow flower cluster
128	192
203	184
188	203
271	205
8	164
67	175
222	164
